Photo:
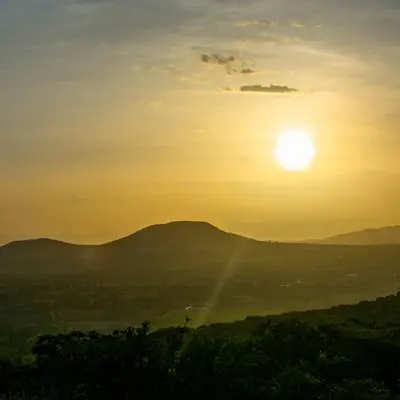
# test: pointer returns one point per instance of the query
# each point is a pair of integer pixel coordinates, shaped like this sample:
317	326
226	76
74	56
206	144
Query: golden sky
115	115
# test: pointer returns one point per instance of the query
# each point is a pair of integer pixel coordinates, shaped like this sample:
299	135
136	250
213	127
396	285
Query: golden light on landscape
295	150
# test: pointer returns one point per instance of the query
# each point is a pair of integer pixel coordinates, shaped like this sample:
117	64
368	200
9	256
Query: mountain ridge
181	230
185	229
177	227
370	236
38	241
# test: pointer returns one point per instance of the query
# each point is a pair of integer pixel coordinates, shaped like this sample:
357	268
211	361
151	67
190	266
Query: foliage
281	359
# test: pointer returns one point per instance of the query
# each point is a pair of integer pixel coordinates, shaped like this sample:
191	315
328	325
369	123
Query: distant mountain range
194	235
174	243
178	235
366	237
155	245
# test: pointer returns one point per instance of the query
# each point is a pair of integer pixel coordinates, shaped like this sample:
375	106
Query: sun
295	150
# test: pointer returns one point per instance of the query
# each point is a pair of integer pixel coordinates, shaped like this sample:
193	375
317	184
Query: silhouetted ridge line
176	231
190	234
40	242
205	232
374	236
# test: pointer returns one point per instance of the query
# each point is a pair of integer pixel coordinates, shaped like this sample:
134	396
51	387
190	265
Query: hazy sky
116	114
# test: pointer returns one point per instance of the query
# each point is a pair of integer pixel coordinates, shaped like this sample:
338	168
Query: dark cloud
229	62
247	71
217	59
268	89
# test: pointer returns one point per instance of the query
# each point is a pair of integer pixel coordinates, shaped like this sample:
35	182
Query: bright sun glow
294	150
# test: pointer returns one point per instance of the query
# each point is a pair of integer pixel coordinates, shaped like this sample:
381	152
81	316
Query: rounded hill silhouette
178	234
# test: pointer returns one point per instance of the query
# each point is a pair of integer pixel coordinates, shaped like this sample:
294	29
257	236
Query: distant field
302	278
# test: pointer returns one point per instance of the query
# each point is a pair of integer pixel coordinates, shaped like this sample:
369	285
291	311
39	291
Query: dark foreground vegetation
313	355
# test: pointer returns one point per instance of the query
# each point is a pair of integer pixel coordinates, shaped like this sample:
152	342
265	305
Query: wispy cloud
150	102
299	25
256	22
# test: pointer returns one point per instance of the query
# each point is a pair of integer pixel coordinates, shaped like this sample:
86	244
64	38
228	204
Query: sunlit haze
119	115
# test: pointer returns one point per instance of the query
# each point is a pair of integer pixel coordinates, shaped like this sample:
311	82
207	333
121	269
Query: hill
38	256
376	316
172	236
166	244
34	247
178	235
366	237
